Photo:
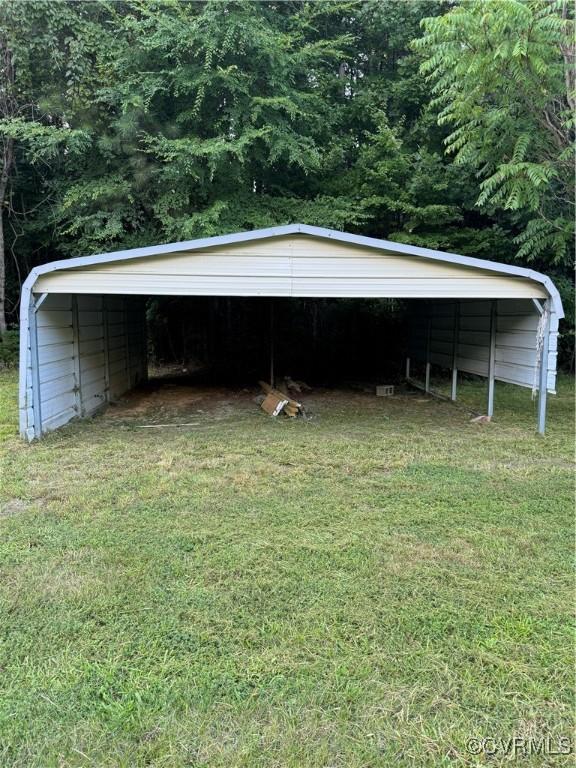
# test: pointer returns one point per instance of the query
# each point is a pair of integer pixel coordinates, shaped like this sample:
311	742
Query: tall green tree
219	119
502	73
33	126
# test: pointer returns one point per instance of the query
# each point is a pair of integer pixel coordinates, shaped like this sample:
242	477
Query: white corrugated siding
56	364
90	349
296	265
516	326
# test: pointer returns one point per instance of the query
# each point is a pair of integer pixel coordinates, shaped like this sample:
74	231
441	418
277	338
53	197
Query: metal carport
83	333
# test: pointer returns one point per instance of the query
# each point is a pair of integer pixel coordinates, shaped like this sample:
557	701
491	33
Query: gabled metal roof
305	229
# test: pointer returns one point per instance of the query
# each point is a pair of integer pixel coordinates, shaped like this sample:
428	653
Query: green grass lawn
368	588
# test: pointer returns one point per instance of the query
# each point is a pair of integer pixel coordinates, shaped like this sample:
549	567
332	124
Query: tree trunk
569	54
7	110
2	277
7	159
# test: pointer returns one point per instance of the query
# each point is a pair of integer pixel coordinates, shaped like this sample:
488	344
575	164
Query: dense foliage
442	124
503	75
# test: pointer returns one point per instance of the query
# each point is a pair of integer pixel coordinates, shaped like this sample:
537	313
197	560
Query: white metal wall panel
56	362
442	327
437	325
516	328
296	265
90	349
119	379
127	354
93	389
167	284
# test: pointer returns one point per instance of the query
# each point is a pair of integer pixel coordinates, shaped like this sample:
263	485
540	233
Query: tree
33	130
8	110
217	121
503	80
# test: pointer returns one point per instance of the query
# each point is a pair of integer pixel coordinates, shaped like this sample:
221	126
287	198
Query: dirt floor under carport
179	401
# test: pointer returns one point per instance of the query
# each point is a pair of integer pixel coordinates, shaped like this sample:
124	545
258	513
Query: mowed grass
368	588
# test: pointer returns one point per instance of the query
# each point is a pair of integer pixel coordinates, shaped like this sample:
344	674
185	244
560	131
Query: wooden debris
292	385
273	403
161	426
483	419
277	402
296	386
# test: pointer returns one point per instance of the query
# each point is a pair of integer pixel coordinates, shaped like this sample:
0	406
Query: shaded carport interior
234	342
83	329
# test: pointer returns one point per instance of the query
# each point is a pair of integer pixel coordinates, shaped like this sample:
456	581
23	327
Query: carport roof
305	229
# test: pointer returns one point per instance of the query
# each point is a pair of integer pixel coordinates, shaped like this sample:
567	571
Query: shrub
9	343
